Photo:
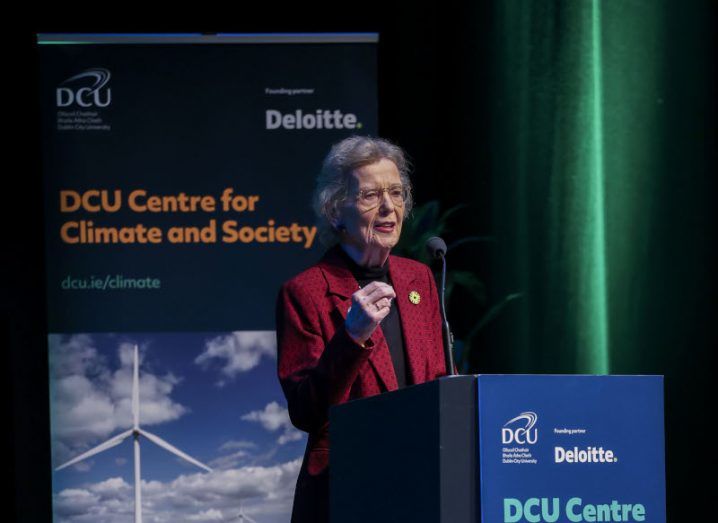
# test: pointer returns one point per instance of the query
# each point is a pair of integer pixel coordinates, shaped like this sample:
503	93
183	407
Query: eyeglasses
372	197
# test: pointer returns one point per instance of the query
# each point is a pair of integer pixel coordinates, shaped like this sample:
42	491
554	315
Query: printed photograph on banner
199	418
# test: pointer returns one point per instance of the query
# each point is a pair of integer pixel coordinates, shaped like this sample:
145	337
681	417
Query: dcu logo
87	89
516	433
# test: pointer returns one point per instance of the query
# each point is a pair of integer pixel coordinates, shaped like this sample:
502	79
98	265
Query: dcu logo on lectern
514	432
87	89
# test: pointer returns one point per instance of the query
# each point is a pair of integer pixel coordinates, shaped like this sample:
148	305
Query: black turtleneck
391	324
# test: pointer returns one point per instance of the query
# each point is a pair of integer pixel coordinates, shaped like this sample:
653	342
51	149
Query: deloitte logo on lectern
520	430
312	120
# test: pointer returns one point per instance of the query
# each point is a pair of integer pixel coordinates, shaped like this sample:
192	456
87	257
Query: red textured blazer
319	365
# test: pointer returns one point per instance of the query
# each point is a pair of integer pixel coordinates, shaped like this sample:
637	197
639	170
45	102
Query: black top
391	324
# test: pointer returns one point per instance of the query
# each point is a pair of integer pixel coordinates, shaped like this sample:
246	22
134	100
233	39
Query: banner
571	448
178	172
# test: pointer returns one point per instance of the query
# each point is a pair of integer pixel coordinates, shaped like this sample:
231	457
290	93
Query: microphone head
436	247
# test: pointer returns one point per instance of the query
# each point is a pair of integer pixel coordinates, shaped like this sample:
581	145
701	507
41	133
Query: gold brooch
414	297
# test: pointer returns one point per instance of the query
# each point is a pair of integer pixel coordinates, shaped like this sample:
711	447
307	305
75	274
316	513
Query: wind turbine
135	432
242	517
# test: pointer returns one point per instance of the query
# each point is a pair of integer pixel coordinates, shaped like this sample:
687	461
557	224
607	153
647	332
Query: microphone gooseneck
437	249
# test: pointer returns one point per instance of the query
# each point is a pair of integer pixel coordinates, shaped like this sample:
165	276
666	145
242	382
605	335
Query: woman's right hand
370	305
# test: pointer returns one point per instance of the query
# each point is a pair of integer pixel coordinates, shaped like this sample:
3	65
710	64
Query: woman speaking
361	321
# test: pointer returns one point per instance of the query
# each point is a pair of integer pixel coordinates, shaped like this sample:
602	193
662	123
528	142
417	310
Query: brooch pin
414	297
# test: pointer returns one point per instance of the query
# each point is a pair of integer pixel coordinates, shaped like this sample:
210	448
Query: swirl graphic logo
86	89
513	432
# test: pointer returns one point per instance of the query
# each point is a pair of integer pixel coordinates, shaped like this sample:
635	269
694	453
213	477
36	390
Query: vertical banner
178	171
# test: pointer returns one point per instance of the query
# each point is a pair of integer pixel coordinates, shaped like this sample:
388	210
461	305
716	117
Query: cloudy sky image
214	396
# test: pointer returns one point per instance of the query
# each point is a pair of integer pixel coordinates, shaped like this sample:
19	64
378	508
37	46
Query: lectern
502	449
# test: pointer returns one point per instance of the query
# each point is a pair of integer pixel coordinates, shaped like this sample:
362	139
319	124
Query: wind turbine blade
112	442
249	519
136	390
174	450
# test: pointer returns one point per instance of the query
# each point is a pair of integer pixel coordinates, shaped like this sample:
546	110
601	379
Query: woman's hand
369	306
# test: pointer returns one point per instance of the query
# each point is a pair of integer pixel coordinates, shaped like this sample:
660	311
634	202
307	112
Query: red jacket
319	365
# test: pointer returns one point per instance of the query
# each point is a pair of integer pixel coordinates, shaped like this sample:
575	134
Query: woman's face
372	226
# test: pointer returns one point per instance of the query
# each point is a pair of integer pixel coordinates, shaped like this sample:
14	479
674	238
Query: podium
502	449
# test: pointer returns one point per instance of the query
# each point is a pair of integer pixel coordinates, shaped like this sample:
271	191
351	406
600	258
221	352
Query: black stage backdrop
485	99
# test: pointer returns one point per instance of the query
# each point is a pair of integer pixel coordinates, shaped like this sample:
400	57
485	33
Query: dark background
438	98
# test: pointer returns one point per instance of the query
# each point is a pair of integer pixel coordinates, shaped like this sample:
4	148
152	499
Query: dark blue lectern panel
571	448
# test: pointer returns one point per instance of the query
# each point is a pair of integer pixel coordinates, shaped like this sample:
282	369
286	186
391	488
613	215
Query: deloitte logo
72	91
521	435
587	455
320	119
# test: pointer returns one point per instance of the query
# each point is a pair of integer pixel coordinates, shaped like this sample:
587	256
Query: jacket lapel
404	282
341	285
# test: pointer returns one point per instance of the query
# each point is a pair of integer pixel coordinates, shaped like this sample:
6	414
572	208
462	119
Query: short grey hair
332	185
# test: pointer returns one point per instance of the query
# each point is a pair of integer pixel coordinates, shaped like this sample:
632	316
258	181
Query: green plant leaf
469	281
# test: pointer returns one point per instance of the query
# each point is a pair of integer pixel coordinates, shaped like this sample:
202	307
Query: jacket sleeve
439	357
314	372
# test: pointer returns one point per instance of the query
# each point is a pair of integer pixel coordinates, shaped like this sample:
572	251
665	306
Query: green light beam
598	314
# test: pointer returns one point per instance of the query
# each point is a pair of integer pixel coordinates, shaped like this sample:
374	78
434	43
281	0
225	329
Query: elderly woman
361	321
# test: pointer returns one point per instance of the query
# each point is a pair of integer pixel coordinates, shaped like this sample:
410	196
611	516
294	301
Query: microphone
437	249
